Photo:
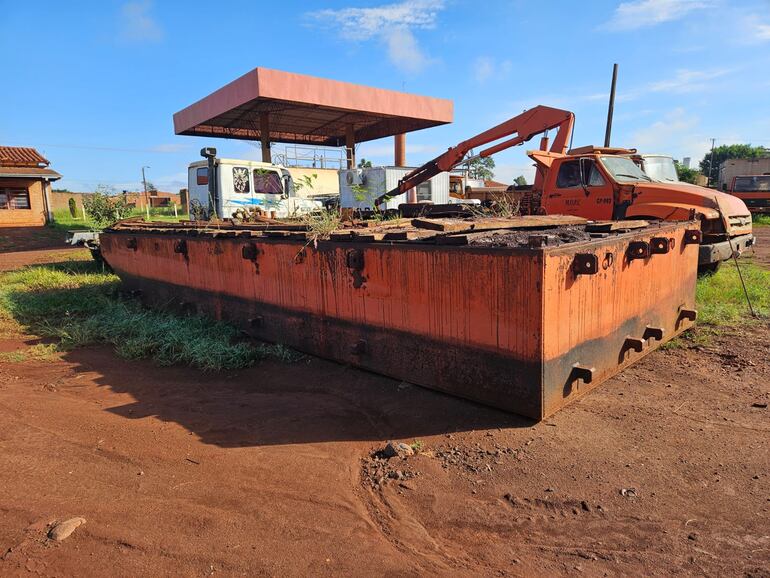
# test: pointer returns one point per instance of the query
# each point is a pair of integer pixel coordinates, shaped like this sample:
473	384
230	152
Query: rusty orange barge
525	319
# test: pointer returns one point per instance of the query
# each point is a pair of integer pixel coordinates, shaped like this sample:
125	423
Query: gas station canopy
275	106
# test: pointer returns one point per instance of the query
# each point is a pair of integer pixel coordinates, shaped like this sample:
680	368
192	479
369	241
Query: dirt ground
663	470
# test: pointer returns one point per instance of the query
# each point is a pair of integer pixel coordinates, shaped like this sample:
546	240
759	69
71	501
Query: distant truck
240	184
754	190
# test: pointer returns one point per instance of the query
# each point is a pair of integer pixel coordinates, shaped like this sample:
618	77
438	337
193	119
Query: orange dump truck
524	314
606	183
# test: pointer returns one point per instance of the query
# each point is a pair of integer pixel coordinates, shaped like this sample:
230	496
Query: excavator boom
525	126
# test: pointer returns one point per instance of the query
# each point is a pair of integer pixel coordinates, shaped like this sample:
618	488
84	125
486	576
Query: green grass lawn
78	304
761	220
64	221
721	300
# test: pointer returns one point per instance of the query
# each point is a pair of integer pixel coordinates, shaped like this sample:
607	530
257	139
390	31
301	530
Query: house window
241	179
202	176
14	199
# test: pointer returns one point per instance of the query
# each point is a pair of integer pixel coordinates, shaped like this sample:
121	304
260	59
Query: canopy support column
350	145
399	152
264	134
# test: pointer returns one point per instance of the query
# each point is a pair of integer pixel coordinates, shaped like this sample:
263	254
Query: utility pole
711	161
611	108
146	199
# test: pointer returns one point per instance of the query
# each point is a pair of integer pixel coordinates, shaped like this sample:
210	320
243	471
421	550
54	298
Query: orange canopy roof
308	110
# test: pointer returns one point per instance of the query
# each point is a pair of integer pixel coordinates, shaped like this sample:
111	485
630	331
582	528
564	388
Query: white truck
244	184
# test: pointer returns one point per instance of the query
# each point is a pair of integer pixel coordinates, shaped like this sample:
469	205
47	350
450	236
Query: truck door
580	189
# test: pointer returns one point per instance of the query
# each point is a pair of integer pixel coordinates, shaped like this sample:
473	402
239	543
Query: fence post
83	209
176	216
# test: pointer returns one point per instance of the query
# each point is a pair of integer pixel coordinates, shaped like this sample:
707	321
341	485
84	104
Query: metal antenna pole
611	109
146	200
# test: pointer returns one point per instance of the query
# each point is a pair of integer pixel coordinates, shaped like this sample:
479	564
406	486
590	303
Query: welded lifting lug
354	259
692	237
249	252
634	343
689	314
585	264
659	245
131	243
181	247
655	333
581	372
638	250
358	348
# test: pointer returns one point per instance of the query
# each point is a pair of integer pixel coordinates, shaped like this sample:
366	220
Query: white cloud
759	30
643	13
485	67
675	134
391	24
404	51
687	81
137	24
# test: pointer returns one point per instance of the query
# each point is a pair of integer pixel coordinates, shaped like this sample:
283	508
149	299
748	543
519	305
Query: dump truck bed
526	318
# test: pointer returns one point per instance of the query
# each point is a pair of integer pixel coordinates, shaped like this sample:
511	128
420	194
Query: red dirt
269	471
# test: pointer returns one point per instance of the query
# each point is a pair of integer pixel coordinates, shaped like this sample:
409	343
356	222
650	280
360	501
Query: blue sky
94	85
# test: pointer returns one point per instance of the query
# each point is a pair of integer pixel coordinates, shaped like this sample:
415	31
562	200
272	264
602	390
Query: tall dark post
611	108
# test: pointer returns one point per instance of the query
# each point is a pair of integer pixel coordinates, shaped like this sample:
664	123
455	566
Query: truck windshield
760	183
660	169
624	170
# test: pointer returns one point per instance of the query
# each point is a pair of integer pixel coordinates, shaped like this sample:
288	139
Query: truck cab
244	184
606	184
754	190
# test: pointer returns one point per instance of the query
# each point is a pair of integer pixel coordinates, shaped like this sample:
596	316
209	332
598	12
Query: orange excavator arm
525	126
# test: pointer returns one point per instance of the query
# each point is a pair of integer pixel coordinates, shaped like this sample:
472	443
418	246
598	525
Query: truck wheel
709	268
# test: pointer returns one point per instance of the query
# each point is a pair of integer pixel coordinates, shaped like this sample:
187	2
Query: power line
182	148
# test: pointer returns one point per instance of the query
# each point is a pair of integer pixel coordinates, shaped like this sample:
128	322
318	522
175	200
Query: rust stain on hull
525	330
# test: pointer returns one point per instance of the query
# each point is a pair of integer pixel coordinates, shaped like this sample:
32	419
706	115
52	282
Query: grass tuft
322	223
761	220
78	304
38	352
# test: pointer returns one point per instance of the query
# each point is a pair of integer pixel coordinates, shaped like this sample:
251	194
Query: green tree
73	207
151	188
481	168
520	181
686	175
725	152
364	164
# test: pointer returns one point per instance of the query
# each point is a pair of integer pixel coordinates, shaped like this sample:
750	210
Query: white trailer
360	187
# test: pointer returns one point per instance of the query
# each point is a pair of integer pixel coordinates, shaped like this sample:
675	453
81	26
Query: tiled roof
21	157
32	172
